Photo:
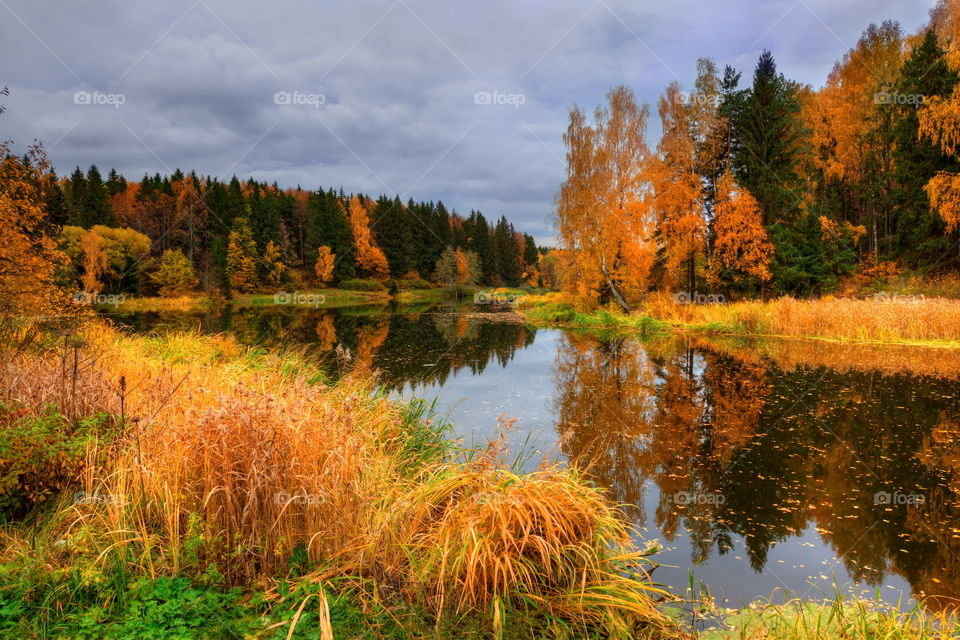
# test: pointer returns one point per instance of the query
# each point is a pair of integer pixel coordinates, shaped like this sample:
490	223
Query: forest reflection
869	459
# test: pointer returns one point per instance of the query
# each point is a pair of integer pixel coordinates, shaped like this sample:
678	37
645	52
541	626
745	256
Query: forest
173	234
766	186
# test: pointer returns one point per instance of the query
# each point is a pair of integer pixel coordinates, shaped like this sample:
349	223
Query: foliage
28	255
359	284
42	454
242	258
175	275
326	261
602	213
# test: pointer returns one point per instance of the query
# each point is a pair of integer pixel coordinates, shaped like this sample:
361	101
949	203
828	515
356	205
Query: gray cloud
398	81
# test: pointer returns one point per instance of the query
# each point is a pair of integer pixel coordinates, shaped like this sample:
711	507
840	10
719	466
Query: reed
242	459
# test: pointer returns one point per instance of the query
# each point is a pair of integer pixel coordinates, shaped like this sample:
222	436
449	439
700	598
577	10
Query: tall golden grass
237	457
885	318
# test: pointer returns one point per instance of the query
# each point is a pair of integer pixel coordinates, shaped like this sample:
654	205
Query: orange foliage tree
677	185
370	258
603	214
28	256
740	239
326	260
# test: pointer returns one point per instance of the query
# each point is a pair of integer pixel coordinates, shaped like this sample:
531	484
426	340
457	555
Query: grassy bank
194	488
885	320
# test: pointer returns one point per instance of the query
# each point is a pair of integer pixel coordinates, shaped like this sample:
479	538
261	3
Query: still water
762	469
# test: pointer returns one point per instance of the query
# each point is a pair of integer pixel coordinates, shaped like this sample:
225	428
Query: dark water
792	467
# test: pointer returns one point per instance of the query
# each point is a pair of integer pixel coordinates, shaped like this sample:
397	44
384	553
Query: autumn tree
370	259
175	274
448	269
94	261
272	265
603	214
740	240
677	187
28	255
242	258
323	268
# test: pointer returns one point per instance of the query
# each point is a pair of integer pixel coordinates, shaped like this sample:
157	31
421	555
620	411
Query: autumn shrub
42	454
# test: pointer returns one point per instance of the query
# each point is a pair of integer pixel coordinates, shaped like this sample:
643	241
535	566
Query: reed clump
242	459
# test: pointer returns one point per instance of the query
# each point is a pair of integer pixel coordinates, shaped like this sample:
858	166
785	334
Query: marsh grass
238	460
833	619
893	319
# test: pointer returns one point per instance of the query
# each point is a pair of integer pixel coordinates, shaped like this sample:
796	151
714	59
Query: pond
762	468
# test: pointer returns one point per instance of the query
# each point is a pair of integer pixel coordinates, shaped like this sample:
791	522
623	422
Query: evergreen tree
920	232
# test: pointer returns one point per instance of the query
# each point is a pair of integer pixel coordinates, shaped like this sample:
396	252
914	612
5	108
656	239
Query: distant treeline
178	232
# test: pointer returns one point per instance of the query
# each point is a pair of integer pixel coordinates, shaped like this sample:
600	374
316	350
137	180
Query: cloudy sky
431	99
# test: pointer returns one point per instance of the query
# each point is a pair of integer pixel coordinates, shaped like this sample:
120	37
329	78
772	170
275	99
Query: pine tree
920	232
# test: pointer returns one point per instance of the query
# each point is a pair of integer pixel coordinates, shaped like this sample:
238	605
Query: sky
430	99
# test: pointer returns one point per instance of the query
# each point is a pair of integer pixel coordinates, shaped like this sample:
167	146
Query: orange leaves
326	260
944	193
370	257
741	239
602	214
28	256
676	183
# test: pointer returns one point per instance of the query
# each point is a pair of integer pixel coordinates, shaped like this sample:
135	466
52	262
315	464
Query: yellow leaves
940	121
28	256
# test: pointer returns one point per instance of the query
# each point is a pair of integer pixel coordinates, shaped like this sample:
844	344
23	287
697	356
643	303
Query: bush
359	284
414	283
43	454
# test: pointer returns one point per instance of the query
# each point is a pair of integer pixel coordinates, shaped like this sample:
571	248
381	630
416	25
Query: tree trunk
613	287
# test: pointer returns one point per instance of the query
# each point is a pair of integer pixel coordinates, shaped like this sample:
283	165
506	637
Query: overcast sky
463	102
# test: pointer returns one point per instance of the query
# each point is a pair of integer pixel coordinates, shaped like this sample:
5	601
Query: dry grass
882	319
238	457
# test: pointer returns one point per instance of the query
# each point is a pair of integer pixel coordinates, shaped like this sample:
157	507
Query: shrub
43	454
359	284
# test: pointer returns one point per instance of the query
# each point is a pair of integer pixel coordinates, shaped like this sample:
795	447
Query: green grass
563	314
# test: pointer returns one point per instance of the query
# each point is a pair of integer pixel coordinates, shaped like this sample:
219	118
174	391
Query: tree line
771	186
173	233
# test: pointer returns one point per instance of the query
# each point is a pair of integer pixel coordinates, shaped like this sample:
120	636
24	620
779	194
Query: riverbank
929	322
187	483
331	298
